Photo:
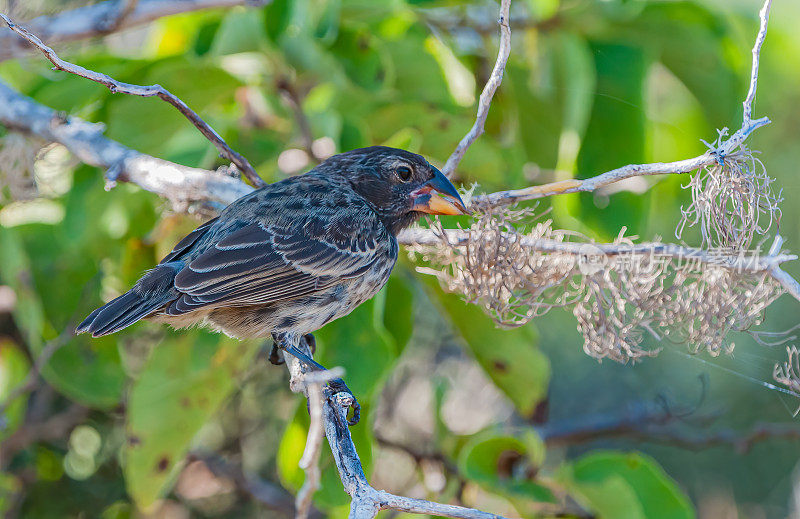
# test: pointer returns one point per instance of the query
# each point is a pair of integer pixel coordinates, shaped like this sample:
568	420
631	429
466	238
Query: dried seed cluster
732	201
516	267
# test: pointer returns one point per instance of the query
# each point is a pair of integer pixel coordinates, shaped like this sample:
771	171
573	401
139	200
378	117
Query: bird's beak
437	196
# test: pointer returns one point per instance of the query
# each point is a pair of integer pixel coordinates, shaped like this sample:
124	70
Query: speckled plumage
287	258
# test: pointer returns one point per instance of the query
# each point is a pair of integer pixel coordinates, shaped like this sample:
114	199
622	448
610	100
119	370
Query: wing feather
258	264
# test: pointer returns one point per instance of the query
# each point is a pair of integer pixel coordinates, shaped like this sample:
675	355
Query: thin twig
292	98
763	16
649	426
485	101
54	427
143	91
719	153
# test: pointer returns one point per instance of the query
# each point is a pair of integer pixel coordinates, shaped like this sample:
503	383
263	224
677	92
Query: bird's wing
260	263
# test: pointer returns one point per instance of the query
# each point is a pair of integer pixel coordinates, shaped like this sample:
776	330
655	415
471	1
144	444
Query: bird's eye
404	172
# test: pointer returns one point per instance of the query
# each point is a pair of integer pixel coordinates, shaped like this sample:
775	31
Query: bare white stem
93	20
142	91
763	16
725	148
485	100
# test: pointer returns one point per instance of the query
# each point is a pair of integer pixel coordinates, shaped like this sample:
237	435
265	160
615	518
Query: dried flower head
788	373
732	200
516	267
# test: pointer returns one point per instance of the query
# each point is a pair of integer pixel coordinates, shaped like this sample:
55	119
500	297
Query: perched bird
292	256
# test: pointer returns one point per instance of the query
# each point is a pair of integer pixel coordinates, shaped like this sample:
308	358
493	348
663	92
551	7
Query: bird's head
400	185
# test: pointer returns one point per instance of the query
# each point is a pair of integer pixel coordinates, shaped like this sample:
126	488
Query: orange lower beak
438	196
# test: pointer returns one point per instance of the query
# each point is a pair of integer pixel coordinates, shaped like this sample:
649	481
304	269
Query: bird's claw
346	398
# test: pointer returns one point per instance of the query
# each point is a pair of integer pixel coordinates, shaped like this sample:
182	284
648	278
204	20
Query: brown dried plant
515	266
788	373
732	201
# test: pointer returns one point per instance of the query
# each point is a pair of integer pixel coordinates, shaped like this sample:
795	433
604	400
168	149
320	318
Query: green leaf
361	343
510	357
676	30
10	486
149	124
88	371
14	368
538	115
355	50
506	464
615	135
240	31
17	273
398	311
182	385
621	485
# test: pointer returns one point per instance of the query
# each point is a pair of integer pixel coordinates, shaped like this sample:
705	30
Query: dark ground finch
292	256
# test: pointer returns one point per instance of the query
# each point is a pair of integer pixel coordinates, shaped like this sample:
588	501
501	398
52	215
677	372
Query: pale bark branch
485	100
142	91
103	17
182	185
366	500
714	154
313	383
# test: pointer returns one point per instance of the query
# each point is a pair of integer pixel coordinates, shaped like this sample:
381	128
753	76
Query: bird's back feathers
288	240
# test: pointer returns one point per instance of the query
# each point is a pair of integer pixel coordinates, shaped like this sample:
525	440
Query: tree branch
181	185
485	101
715	153
649	424
104	17
366	500
735	261
143	91
313	383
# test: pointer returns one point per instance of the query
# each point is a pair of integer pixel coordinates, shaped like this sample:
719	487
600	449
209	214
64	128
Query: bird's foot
275	357
346	398
337	385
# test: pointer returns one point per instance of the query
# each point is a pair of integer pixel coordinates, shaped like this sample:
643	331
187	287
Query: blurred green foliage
591	85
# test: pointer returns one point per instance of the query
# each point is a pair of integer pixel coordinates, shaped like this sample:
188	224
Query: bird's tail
153	291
